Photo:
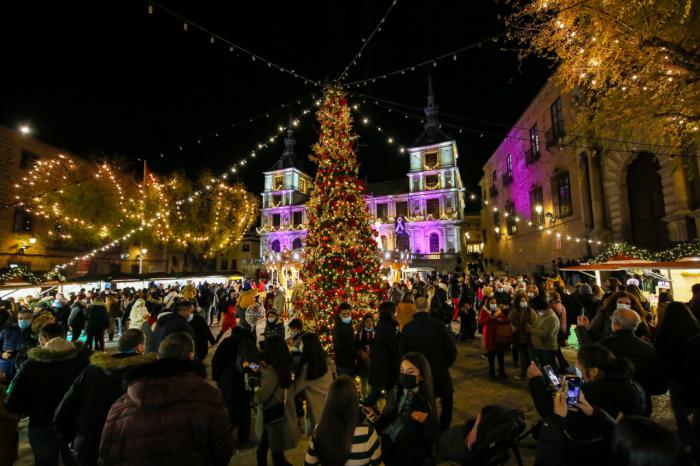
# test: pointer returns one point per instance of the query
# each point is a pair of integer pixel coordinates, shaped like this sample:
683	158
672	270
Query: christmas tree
341	257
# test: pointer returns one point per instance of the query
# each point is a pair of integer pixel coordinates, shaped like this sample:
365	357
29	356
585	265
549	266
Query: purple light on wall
522	177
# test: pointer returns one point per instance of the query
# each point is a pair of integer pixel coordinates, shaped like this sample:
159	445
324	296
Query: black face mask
408	381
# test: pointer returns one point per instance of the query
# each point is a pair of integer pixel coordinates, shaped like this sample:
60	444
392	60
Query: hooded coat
44	378
169	415
82	413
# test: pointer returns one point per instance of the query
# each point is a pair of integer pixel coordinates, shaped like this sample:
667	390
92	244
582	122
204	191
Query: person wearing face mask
502	295
544	334
173	321
409	421
490	316
520	316
273	325
591	331
363	343
15	340
344	341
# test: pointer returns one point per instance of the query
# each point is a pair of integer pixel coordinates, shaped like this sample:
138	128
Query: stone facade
551	194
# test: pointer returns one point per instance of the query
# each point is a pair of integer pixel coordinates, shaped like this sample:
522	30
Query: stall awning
687	264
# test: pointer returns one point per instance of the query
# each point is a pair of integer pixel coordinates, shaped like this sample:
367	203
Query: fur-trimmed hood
48	354
112	362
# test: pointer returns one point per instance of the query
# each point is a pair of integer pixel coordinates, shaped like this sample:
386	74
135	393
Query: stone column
584	169
680	181
596	185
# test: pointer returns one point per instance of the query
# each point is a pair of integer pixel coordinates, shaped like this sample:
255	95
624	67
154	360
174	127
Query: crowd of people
376	390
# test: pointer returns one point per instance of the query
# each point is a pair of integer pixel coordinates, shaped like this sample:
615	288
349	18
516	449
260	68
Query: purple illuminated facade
422	213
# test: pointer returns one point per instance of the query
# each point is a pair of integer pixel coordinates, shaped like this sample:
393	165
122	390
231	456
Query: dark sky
107	78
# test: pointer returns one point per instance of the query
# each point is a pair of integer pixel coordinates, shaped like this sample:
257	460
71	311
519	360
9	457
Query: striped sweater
366	449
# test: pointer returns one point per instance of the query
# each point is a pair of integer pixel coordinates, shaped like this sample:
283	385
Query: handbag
504	334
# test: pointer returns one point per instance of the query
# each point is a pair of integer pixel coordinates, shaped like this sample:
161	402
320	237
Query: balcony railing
532	155
507	179
493	192
553	135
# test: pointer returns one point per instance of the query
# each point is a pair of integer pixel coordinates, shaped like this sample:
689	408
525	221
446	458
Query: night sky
106	78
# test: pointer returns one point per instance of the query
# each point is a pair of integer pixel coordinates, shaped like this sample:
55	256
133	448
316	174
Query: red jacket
489	322
169	415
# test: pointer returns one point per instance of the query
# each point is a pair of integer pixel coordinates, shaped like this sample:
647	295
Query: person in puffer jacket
169	414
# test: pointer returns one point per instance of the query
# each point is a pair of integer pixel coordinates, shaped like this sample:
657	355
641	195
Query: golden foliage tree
92	203
635	64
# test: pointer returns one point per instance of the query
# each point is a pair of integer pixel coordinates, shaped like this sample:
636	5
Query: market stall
676	276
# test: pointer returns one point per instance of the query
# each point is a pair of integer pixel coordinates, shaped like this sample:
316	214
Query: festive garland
680	250
30	277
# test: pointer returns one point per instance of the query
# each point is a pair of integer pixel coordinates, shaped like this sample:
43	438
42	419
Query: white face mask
523	304
493	306
531	295
623	306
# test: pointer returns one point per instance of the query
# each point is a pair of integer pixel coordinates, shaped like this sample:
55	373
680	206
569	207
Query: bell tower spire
432	109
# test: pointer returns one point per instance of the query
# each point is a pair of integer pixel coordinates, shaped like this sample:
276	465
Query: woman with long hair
409	422
677	328
276	420
313	377
341	437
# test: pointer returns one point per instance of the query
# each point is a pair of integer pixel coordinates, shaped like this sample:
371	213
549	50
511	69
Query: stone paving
473	389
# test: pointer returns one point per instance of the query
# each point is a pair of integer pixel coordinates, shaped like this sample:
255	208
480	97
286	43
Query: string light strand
213	37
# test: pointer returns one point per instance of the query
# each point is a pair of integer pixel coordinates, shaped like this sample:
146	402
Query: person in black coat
678	342
39	386
384	369
174	322
344	342
556	447
82	413
96	322
230	377
606	384
202	336
431	338
624	344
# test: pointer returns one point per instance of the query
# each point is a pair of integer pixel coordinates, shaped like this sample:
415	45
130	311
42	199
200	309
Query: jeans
98	337
46	446
77	330
523	351
492	355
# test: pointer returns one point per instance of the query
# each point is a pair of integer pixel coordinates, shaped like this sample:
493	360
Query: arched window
434	242
384	243
403	242
275	245
296	244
